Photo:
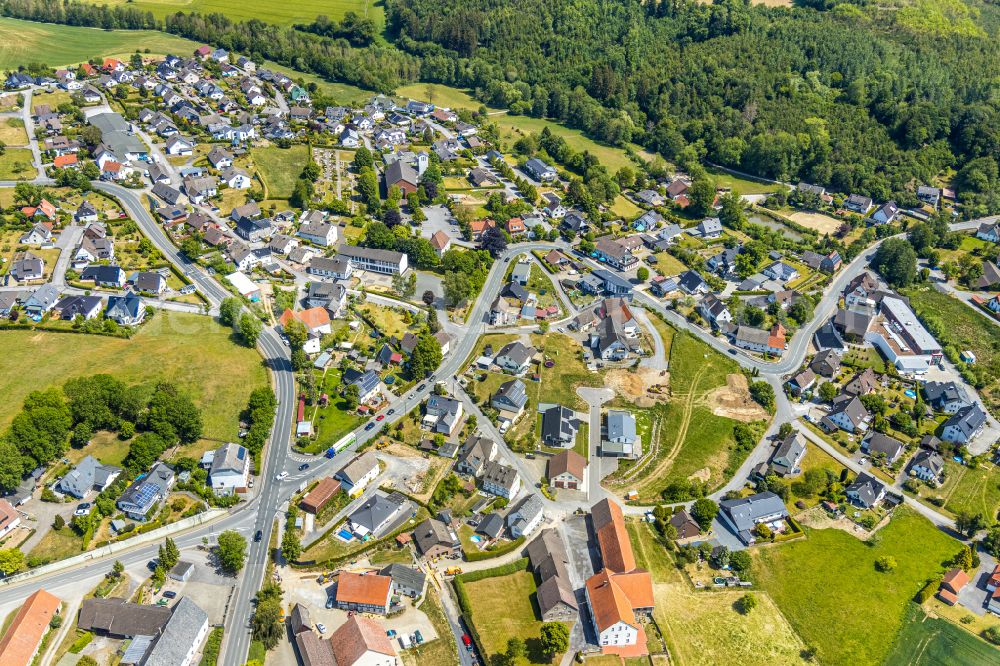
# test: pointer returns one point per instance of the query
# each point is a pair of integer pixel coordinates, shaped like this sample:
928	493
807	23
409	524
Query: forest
865	97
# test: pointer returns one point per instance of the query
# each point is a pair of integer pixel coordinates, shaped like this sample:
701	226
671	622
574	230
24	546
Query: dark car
152	564
390	412
733	352
422	387
169	594
303	467
258	536
370	426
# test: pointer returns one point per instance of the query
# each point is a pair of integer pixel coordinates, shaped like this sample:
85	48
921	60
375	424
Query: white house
230	469
9	518
358	473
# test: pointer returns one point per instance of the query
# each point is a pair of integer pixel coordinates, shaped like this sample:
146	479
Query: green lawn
815	458
440	95
692	441
513	127
828	588
504	606
927	641
740	185
333	421
269	11
559	383
388	321
972	490
668	265
58	545
280	168
190	350
541	285
16	164
12	132
26	42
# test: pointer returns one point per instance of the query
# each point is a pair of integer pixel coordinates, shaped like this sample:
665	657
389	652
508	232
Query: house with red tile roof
366	593
362	640
24	635
620	592
951	585
65	161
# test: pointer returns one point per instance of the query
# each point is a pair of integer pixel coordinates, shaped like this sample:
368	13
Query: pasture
191	350
26	42
269	11
828	588
279	168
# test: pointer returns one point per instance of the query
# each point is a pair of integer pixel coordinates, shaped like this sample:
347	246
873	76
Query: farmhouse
365	593
548	559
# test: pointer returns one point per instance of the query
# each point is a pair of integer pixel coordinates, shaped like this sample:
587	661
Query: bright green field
828	588
15	164
270	11
191	350
26	41
926	641
280	168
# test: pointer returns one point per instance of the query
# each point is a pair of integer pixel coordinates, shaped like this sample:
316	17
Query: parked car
329	602
170	594
380	417
320	627
370	426
82	509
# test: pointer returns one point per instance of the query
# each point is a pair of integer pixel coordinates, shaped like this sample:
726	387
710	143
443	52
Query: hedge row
497	552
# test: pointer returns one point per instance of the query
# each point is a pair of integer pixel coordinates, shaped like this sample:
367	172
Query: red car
380	417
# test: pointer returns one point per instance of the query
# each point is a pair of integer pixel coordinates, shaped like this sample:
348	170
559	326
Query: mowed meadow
26	42
269	11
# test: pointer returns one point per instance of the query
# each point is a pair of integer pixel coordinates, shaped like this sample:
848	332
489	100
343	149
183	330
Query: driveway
658	361
595	397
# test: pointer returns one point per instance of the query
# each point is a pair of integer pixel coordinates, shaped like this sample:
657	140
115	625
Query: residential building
714	310
742	516
230	471
146	492
621	438
615	254
117	618
947	397
24	636
337	268
361	641
685	525
927	466
182	636
148	282
539	170
878	444
442	415
358	473
316	229
365	593
952	583
964	425
369	384
902	339
104	276
788	455
10	519
406	581
41	300
885	214
515	357
510	399
525	516
71	307
374	515
559	426
127	310
549	562
858	203
866	491
826	363
499	479
849	414
475	453
88	475
567	469
435	539
759	340
781	271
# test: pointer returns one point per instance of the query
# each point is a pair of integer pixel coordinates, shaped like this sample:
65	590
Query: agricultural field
440	95
27	41
928	641
269	11
279	168
828	588
191	350
703	627
692	433
512	127
818	222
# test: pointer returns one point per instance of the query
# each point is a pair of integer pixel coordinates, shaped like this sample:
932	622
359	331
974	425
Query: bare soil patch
733	400
642	386
819	222
703	475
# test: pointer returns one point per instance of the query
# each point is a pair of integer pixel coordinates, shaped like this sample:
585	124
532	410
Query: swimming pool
910	393
475	539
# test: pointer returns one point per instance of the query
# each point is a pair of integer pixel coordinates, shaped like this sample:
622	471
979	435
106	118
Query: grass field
740	185
690	441
280	168
12	132
926	641
385	319
972	490
441	651
828	588
16	164
965	329
26	41
819	222
440	95
191	350
504	606
703	627
269	11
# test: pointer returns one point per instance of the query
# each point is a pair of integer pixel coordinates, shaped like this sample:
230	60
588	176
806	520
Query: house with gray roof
230	470
146	492
435	539
964	425
621	437
443	414
510	399
742	515
947	397
549	562
405	580
515	357
788	455
866	491
525	516
374	515
849	414
182	636
927	466
559	426
475	453
880	444
499	479
41	300
88	475
491	526
609	340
